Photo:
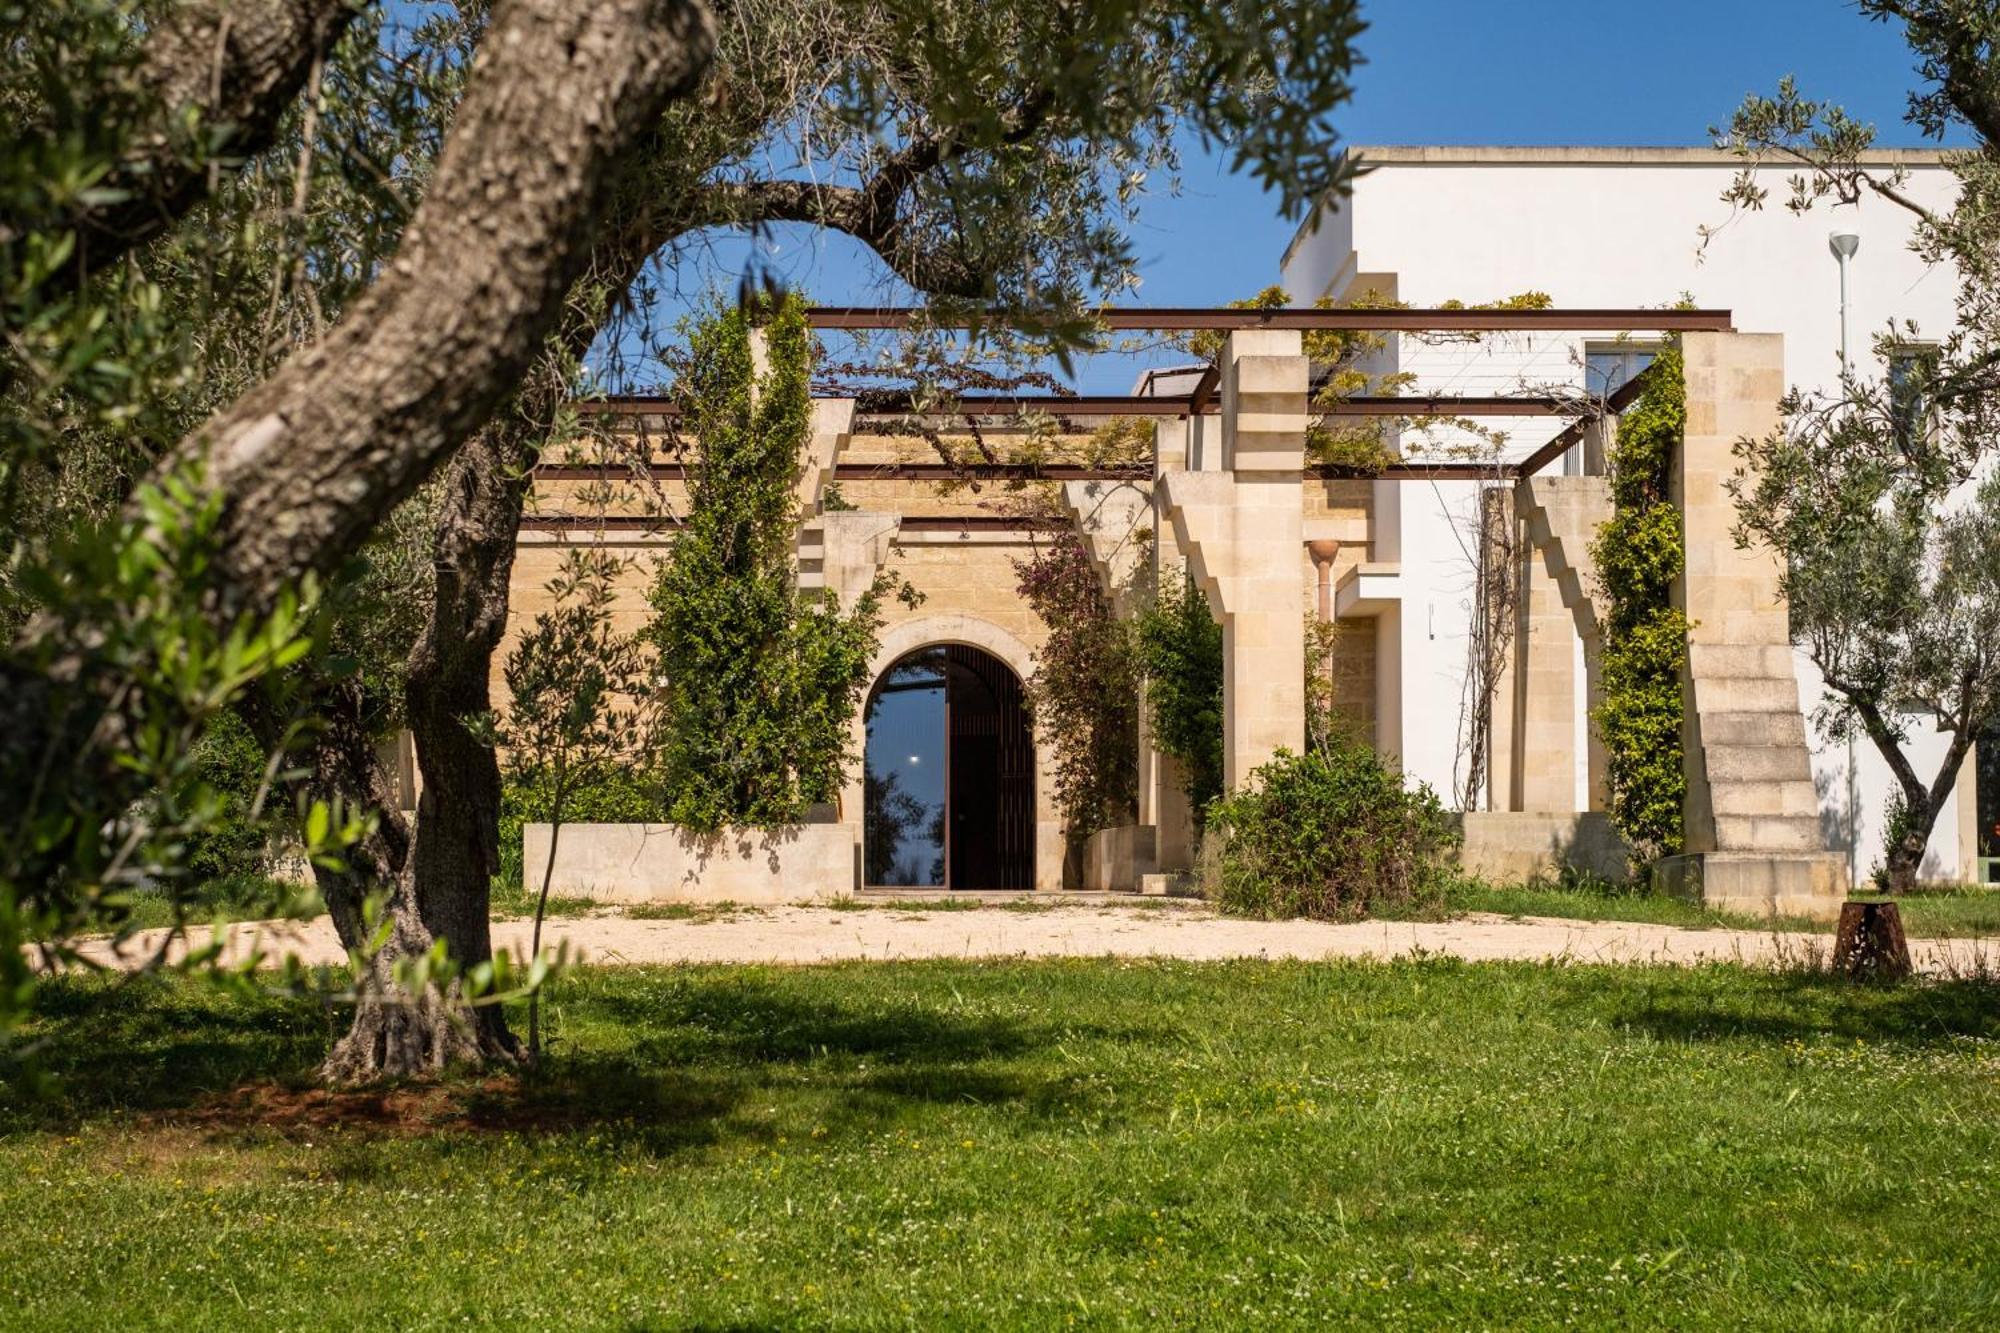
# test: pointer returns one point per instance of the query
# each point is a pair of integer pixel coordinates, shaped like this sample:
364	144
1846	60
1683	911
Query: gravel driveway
1096	928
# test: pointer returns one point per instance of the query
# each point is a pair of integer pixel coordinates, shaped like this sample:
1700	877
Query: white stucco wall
1596	227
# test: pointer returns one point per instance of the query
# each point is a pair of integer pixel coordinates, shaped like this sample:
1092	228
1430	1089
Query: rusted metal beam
915	472
1420	405
1204	391
990	472
629	405
980	523
1055	405
1457	320
637	523
1401	472
643	524
1572	434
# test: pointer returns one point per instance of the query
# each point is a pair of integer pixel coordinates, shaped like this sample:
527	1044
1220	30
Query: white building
1601	227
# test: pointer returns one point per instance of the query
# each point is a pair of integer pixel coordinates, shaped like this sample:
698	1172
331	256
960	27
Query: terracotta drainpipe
1323	554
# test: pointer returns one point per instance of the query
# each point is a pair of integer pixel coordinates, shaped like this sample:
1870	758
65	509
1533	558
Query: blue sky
1460	72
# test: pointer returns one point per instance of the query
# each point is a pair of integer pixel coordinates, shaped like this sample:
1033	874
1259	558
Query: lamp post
1844	241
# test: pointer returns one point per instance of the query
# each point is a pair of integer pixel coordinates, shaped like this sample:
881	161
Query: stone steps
1746	694
1781	759
1768	833
1720	729
1735	661
812	555
1759	771
1743	797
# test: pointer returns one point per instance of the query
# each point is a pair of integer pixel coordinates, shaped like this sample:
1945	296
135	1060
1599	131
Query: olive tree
972	149
1872	493
988	152
1893	582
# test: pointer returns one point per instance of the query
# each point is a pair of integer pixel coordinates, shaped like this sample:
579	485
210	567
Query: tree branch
235	66
872	213
561	93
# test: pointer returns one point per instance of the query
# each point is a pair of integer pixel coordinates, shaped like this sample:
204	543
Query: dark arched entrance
948	775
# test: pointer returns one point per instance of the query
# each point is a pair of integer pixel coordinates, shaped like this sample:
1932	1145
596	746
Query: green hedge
632	798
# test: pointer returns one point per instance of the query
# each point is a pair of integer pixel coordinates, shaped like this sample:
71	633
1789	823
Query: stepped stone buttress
1752	830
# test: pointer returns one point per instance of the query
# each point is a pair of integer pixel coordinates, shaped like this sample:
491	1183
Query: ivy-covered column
1163	782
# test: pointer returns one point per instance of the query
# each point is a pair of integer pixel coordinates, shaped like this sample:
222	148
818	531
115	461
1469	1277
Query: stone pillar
1111	517
1163	800
832	425
1545	684
1500	784
1243	532
842	552
1751	816
1560	517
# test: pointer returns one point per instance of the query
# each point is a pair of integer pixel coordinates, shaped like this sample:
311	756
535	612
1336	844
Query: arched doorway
948	774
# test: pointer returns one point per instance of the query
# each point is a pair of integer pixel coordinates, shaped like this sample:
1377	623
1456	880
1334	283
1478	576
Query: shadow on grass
1801	1005
660	1065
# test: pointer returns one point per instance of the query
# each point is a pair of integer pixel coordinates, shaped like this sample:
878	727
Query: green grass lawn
1036	1145
1958	912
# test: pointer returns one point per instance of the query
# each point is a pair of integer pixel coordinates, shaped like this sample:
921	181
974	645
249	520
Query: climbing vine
1639	554
1085	693
1343	362
1180	652
758	680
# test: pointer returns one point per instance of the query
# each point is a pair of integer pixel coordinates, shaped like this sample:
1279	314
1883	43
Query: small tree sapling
580	711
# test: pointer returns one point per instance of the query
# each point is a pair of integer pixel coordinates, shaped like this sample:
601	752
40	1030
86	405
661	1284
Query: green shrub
630	798
1333	835
1180	650
230	762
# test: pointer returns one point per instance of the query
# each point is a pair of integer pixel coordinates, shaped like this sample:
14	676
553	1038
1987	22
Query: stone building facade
1775	821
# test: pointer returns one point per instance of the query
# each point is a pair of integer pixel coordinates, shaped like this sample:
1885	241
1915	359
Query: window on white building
1908	363
1609	367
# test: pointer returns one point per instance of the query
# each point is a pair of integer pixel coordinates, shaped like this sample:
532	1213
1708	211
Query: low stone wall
642	863
1115	860
1803	884
1509	846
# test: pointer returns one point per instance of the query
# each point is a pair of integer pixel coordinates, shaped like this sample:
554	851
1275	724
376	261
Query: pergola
1225	494
1199	401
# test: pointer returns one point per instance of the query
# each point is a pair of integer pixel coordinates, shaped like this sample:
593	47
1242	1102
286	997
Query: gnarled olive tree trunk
442	888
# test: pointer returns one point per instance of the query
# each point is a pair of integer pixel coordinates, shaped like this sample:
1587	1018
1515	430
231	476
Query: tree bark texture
310	460
455	850
342	765
235	66
562	93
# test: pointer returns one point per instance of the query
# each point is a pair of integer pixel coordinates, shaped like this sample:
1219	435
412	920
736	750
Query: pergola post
1560	518
1242	529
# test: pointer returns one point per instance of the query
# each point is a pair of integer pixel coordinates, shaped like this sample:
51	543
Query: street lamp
1844	241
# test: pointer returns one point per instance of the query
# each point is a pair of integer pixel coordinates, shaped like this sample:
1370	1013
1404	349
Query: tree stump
1869	945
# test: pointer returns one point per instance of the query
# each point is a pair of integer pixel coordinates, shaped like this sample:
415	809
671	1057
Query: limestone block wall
1753	834
1242	530
539	555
